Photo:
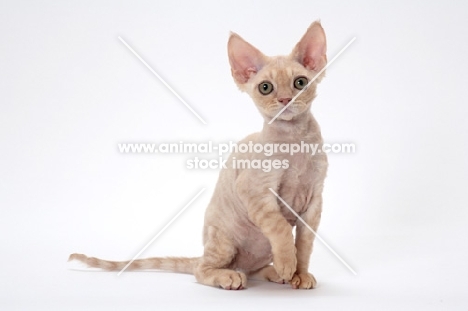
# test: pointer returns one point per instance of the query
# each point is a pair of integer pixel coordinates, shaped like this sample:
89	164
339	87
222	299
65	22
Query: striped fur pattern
247	230
175	264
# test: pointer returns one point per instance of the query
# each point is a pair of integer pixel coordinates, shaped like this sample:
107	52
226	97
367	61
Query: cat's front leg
304	243
278	231
264	212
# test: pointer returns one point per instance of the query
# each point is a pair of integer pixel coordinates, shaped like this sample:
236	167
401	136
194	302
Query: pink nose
284	101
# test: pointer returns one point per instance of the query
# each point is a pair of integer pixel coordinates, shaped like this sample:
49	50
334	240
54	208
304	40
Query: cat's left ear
244	58
311	50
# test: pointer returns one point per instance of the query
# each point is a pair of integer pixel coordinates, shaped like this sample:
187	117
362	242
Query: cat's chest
296	186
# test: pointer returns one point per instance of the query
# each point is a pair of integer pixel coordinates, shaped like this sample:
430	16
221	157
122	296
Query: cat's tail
174	264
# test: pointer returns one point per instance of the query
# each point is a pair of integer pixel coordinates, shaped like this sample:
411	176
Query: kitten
246	227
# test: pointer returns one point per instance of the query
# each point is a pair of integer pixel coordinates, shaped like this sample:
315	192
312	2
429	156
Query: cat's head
273	81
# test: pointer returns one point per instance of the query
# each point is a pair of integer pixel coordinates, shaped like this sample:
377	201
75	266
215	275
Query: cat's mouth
287	114
290	112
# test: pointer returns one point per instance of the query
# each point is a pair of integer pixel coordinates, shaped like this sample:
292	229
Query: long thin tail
174	264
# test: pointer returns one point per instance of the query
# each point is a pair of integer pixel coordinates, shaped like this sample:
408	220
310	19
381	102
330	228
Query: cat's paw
269	274
285	266
232	280
303	281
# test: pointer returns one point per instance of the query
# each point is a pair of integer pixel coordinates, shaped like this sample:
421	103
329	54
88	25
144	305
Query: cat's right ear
244	58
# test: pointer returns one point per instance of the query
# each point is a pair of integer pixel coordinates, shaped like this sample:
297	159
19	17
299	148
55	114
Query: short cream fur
247	231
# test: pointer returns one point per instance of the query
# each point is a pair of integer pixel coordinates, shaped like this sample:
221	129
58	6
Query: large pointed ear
244	58
311	50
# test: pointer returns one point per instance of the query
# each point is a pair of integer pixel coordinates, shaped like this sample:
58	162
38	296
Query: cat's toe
303	281
285	267
233	281
272	276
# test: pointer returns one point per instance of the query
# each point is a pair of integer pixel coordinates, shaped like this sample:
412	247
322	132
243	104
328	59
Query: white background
71	91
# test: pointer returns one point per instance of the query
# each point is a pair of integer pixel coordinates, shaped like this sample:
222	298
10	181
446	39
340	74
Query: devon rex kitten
246	227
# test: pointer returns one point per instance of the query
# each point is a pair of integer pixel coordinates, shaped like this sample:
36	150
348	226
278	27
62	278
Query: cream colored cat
246	227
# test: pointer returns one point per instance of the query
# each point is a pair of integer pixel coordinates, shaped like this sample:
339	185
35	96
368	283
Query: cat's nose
284	101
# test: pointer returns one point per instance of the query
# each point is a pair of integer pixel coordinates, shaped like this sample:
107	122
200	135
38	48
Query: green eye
265	87
300	83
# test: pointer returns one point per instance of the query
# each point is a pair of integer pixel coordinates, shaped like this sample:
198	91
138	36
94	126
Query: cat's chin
286	116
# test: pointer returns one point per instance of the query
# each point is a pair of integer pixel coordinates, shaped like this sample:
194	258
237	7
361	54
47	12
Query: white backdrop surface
71	91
